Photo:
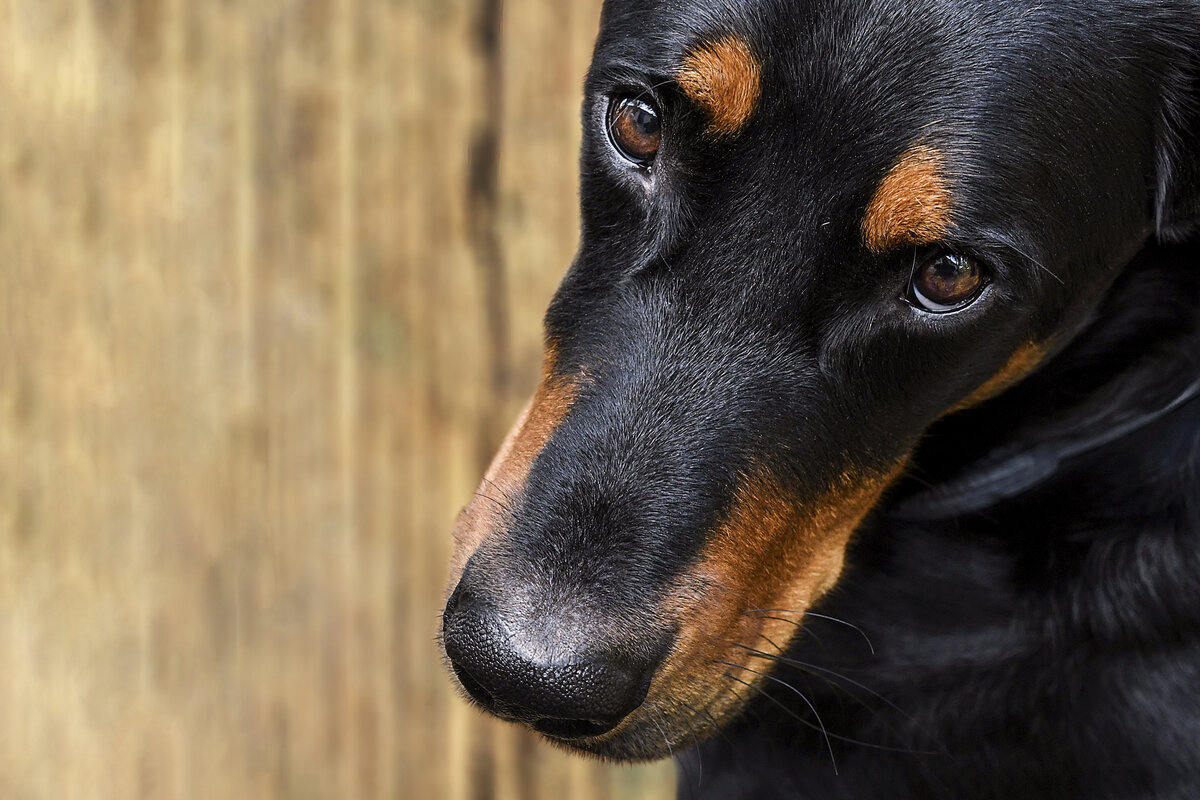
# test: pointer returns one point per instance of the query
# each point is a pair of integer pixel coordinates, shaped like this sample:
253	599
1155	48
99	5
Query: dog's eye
635	129
946	282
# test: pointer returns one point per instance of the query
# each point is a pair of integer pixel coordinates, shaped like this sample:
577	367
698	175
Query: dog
866	458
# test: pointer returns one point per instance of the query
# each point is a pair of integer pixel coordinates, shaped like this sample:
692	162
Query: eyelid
937	308
949	310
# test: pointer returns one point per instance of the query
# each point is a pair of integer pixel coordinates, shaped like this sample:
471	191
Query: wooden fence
272	278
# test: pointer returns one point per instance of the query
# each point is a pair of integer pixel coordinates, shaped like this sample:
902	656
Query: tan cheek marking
772	552
912	205
724	79
1022	362
506	476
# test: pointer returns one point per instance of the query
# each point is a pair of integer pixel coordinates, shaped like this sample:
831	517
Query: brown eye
635	129
946	282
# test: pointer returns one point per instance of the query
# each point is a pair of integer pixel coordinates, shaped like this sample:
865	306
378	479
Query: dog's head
810	230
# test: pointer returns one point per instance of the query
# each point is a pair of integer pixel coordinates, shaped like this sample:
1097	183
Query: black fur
1047	645
1031	589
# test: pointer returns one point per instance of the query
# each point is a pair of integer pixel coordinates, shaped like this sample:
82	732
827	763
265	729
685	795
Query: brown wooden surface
273	274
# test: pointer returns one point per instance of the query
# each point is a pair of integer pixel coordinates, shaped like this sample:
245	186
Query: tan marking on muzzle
912	204
724	78
506	476
773	551
1022	362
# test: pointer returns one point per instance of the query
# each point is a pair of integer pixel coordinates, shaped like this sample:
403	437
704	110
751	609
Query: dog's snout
530	668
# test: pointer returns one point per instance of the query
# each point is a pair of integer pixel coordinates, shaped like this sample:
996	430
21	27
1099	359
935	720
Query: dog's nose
525	672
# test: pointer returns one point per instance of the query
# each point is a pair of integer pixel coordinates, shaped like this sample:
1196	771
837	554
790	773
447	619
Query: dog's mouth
700	684
646	684
681	698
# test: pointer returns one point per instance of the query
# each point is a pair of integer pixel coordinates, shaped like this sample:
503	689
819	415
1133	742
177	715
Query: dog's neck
1133	372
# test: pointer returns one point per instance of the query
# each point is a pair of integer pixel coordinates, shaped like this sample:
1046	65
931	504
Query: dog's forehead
892	64
933	107
825	74
849	69
658	35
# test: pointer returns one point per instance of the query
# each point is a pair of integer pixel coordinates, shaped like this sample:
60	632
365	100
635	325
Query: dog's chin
638	743
655	732
631	749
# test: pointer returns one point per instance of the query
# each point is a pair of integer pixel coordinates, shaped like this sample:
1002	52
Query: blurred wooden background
272	279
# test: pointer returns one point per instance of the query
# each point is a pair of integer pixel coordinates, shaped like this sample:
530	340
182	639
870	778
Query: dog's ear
1177	211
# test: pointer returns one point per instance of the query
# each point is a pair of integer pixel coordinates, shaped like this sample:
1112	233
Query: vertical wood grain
272	281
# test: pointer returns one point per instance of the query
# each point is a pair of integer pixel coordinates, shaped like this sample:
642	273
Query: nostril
461	597
474	688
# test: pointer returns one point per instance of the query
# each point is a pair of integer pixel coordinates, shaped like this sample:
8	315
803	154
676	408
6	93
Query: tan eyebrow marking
912	204
723	78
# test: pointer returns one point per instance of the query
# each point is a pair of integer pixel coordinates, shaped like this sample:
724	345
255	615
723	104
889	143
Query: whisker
850	625
1033	261
711	720
821	672
666	739
478	493
814	669
799	694
503	494
742	702
657	719
770	641
799	625
817	671
786	710
1006	241
837	736
699	756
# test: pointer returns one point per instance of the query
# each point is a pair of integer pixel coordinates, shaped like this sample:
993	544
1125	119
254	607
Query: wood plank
247	377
